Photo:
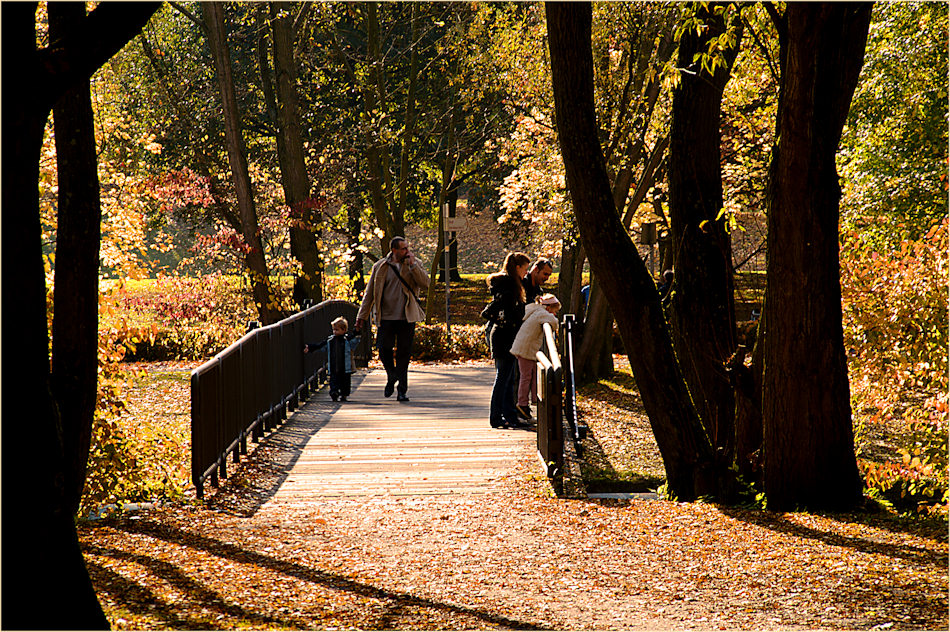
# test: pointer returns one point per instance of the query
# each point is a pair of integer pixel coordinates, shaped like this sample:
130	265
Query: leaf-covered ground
516	559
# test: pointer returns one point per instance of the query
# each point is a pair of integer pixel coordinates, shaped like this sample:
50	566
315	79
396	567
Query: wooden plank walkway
437	443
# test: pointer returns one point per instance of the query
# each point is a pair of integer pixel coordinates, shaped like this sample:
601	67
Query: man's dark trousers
398	334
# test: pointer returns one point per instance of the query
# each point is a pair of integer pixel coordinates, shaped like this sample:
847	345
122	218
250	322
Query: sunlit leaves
748	116
514	559
895	325
893	158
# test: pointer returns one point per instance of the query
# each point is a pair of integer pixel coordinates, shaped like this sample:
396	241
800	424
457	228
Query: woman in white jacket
527	344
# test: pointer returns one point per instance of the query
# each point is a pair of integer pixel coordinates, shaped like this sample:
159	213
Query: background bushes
468	343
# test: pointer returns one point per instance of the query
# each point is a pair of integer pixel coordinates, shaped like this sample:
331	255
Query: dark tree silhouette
702	312
686	451
46	422
806	409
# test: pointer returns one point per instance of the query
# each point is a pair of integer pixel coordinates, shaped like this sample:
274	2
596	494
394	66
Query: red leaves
895	306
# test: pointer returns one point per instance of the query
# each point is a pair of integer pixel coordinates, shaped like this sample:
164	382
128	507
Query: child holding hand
339	348
527	344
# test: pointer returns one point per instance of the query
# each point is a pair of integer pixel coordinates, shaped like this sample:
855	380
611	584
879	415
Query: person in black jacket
339	348
505	313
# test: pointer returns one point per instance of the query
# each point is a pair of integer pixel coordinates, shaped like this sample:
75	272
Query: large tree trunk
76	281
290	152
687	454
237	157
808	437
41	559
702	313
447	189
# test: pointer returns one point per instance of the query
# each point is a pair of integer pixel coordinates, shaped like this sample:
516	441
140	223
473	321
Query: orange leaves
514	559
894	306
141	437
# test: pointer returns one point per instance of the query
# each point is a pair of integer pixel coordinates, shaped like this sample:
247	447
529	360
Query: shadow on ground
391	609
267	466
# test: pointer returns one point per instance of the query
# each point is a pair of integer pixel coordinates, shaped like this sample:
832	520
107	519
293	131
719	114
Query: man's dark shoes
524	412
342	398
402	397
333	396
518	424
390	389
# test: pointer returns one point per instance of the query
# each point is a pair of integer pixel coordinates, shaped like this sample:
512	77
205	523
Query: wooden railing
557	399
550	404
249	388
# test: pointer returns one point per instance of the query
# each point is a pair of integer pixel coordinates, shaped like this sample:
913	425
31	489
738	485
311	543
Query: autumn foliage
895	324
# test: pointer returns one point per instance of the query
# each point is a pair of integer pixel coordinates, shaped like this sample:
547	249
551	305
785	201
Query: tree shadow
394	602
601	476
603	391
268	465
140	600
910	603
779	523
932	528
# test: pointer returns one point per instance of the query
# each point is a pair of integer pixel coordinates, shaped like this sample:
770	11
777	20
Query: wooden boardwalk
439	442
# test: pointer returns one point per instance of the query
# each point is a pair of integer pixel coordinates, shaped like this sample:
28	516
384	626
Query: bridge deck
437	443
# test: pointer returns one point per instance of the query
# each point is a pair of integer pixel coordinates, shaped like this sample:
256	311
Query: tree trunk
290	152
76	282
237	157
687	454
451	200
355	266
379	179
702	312
409	127
747	385
577	285
807	433
594	357
565	276
447	188
41	555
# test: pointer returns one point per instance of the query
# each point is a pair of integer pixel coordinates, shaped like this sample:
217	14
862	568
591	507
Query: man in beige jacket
392	299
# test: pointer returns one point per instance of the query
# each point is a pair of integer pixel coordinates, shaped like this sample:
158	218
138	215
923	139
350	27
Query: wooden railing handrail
550	404
557	398
249	387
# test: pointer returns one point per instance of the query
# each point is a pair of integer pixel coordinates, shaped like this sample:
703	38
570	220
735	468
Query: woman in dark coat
504	314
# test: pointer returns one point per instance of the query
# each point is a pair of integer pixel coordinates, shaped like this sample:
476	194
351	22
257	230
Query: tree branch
75	56
191	16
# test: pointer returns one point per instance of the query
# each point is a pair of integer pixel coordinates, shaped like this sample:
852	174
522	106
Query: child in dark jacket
339	348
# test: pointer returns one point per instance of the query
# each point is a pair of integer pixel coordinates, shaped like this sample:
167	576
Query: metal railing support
578	428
